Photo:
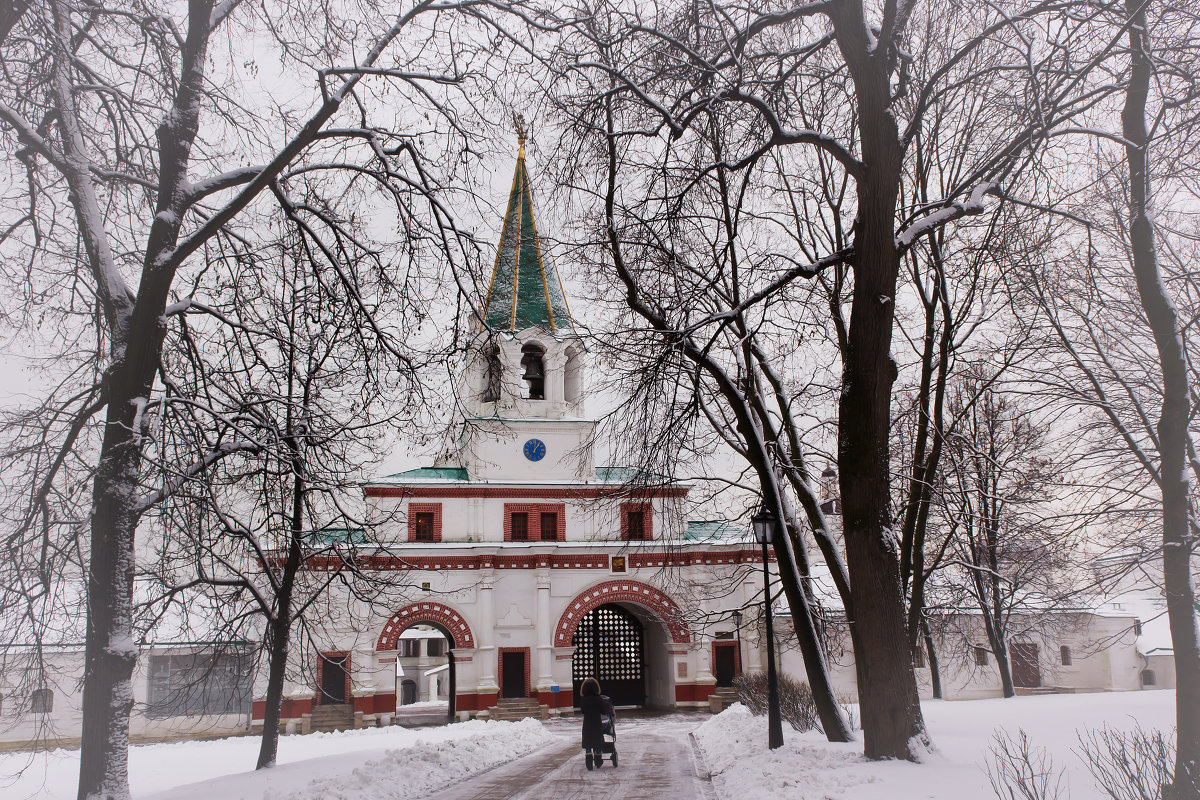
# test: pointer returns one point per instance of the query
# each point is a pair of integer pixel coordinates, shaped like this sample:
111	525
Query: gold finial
522	130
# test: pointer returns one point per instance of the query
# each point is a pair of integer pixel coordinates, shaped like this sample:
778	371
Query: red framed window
525	522
424	532
549	529
637	521
519	525
424	522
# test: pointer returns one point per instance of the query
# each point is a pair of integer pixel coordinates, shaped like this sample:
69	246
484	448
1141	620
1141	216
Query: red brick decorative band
622	591
642	560
435	613
514	493
666	558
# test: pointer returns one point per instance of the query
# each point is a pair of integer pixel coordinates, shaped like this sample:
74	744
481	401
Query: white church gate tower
537	565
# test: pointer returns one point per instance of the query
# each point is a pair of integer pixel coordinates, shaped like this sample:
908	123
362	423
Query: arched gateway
443	618
436	614
623	591
607	627
610	646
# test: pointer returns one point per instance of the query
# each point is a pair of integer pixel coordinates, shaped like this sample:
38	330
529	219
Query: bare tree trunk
833	719
1000	650
1173	418
926	457
1002	664
280	633
891	709
935	669
110	652
987	586
281	627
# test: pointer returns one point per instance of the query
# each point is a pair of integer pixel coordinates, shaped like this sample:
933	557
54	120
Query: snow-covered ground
734	744
403	763
379	763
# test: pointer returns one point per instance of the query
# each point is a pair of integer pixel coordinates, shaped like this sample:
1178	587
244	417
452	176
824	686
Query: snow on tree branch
957	209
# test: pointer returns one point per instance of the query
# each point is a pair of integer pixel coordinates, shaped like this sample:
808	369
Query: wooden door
725	662
512	678
1023	657
333	679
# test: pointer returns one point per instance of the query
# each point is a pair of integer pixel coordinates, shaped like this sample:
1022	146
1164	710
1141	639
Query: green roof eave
429	474
714	530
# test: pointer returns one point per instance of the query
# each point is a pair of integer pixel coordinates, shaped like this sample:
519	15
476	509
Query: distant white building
183	689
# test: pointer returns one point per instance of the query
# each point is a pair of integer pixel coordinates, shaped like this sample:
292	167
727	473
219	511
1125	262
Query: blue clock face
535	450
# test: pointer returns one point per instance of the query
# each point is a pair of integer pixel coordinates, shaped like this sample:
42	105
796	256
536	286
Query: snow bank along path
380	763
734	745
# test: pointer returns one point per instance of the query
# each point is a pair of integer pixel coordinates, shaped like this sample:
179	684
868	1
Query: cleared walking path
656	764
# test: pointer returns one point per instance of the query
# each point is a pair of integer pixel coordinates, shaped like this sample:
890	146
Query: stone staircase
722	698
333	718
511	709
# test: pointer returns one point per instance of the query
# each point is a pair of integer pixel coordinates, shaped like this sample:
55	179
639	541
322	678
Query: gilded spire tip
522	130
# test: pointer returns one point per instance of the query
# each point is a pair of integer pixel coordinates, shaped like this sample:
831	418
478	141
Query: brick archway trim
441	615
635	592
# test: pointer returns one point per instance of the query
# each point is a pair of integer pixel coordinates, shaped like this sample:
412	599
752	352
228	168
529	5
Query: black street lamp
737	623
765	523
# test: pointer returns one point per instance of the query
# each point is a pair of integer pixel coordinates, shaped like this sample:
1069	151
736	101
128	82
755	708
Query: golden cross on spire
522	130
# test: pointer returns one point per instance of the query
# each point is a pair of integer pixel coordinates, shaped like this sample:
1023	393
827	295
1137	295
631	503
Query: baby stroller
609	721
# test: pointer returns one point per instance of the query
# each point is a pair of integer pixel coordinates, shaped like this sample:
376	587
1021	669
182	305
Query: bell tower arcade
526	378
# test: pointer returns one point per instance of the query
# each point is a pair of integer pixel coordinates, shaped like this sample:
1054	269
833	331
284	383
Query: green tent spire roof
523	292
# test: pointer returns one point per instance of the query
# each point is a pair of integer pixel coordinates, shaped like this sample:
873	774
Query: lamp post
764	523
737	623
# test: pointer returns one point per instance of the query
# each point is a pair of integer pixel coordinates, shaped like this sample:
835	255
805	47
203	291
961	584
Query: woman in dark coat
594	706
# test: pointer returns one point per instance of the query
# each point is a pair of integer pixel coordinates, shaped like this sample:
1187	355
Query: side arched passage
437	615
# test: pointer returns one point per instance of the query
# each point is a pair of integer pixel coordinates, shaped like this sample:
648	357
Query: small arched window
41	701
1064	655
1148	678
493	371
573	375
533	371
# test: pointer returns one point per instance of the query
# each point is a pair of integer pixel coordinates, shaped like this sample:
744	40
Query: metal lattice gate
610	647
